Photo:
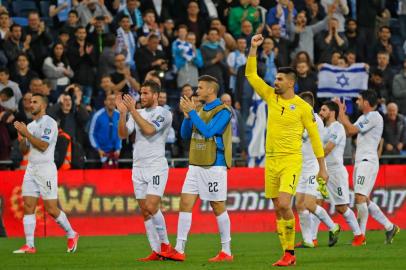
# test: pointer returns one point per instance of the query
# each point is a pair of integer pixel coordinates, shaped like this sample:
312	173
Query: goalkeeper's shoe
359	240
222	257
73	243
25	249
152	257
333	235
322	187
173	254
287	260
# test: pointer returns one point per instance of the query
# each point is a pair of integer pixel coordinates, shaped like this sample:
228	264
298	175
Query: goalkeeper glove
322	187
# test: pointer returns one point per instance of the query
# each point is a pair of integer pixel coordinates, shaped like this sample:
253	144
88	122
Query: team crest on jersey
47	131
160	119
292	107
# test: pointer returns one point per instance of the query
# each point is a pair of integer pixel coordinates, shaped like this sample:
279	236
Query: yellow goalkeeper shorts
282	175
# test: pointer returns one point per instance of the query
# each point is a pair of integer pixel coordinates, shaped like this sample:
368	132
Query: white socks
315	225
184	224
322	214
29	222
63	221
352	221
377	214
152	235
306	226
223	222
159	222
362	209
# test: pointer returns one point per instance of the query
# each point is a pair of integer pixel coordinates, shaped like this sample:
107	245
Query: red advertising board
101	202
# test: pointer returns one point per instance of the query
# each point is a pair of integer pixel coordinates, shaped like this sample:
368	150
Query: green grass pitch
251	251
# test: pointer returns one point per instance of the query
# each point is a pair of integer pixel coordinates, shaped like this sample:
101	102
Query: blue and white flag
343	82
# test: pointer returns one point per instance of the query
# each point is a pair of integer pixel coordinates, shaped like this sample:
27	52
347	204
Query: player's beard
278	91
35	112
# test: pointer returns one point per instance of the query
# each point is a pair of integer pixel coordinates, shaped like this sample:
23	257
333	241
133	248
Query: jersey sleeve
162	120
258	84
365	123
334	135
130	125
309	122
49	132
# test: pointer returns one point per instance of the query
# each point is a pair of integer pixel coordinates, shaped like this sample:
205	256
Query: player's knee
29	208
218	207
52	210
284	206
150	208
341	209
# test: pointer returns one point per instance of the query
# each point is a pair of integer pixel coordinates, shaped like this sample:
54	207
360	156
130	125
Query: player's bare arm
35	142
328	148
146	127
350	129
122	129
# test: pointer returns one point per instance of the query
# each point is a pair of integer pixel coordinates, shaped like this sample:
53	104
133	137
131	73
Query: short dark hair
210	79
213	29
33	12
4	70
80	27
148	11
308	97
124	17
153	36
43	97
290	71
14	25
155	88
370	96
72	11
332	106
7	91
184	26
384	27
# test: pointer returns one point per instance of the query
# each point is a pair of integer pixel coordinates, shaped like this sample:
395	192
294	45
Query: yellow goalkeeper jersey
287	119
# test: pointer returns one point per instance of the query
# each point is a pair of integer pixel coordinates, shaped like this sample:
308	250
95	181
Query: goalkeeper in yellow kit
288	116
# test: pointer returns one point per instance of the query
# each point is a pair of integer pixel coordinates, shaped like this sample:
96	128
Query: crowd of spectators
81	54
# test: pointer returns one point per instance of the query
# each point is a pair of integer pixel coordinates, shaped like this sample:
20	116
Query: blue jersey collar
212	105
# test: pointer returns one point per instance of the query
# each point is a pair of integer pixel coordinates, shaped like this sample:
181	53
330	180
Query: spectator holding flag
186	57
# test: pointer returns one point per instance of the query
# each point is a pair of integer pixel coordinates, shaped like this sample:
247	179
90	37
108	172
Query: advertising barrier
101	202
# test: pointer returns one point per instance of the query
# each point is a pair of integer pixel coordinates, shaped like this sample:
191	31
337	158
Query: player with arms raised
369	128
150	167
41	177
288	116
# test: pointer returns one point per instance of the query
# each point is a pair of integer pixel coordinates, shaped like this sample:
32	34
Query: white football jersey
309	159
335	133
149	151
45	129
370	128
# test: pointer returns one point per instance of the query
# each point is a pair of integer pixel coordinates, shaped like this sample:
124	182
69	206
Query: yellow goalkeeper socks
289	233
280	231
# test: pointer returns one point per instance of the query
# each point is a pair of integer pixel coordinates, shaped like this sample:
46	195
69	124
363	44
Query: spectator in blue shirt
103	130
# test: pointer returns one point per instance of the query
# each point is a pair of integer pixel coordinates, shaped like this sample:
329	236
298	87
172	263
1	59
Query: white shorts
209	182
308	184
338	187
41	180
149	181
364	176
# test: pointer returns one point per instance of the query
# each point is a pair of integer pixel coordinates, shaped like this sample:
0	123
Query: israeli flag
343	82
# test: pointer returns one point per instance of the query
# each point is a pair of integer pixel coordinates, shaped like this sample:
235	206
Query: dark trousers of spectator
2	229
367	36
402	25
